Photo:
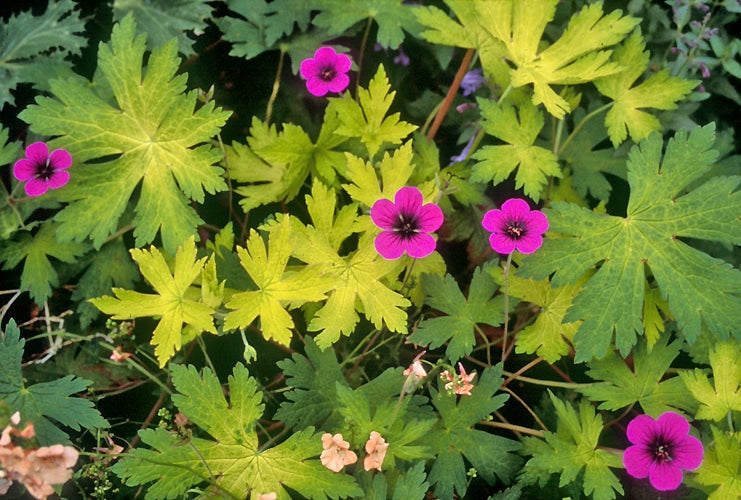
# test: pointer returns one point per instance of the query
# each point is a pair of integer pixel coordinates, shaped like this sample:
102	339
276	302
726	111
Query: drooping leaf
175	303
519	130
277	290
38	276
512	30
570	449
659	91
33	48
700	290
336	16
367	120
47	404
549	336
458	327
723	395
620	386
163	20
151	135
455	438
231	461
721	466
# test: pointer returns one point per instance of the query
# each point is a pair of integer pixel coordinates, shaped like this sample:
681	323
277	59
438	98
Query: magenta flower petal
665	476
515	227
38	152
60	159
430	218
58	179
501	244
317	87
36	187
326	72
637	462
383	214
389	245
406	224
339	83
24	169
529	243
661	450
420	245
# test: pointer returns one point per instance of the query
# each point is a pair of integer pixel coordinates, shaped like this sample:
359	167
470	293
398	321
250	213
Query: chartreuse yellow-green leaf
549	336
518	128
277	290
355	279
229	462
512	30
723	395
175	302
701	291
659	91
132	128
395	171
367	119
721	465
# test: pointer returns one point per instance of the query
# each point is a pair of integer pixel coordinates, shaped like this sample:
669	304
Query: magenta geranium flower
661	449
42	170
515	227
327	72
406	224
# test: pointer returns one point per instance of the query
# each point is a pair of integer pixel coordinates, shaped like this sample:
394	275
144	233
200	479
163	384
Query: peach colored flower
376	448
38	469
118	355
336	452
417	369
458	384
267	496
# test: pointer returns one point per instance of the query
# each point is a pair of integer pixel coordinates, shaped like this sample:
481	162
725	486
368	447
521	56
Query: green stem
202	345
513	428
507	265
581	124
486	343
547	383
362	54
276	86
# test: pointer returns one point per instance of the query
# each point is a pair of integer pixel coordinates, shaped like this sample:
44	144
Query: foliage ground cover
277	249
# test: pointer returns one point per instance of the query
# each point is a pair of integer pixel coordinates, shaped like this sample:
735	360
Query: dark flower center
514	230
662	452
44	170
327	74
406	225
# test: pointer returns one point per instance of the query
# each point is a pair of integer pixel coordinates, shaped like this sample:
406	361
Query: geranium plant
277	249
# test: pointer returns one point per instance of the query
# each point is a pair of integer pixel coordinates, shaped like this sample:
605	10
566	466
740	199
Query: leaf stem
276	86
462	69
505	274
547	383
361	55
513	428
581	124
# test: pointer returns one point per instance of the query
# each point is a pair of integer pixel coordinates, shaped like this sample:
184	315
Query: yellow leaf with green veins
132	128
659	91
276	291
174	302
724	395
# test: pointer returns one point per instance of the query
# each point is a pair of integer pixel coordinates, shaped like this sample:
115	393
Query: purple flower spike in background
42	170
472	81
515	227
406	224
661	449
327	72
